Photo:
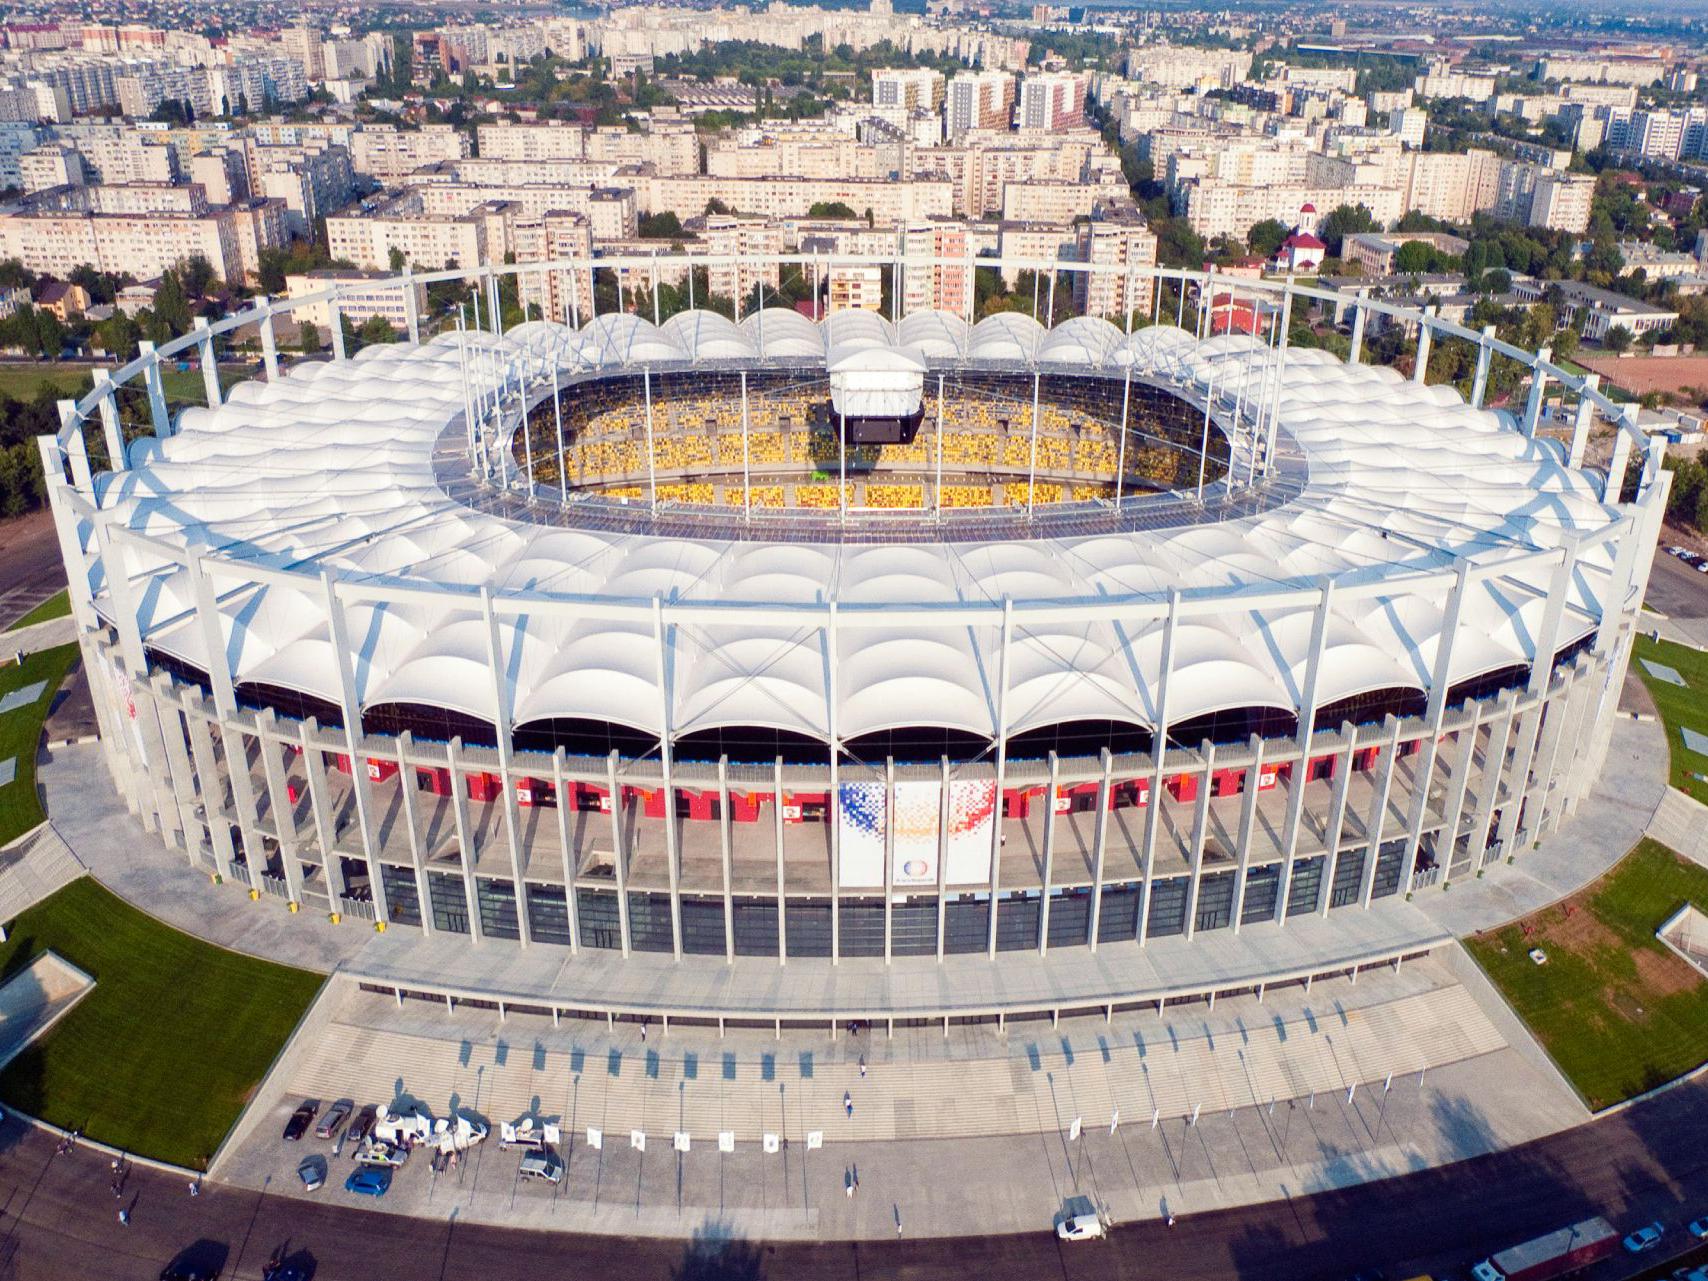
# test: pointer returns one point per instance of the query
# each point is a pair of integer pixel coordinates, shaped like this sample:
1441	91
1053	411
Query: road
30	567
58	1219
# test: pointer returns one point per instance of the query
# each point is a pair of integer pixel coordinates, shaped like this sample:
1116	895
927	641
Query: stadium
867	637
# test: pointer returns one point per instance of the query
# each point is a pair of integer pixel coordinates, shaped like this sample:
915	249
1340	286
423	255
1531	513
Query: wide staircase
32	867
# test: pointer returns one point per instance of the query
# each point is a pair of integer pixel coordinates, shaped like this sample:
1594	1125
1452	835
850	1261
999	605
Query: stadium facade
856	638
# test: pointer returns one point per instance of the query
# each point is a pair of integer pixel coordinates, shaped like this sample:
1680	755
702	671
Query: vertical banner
972	811
916	824
860	813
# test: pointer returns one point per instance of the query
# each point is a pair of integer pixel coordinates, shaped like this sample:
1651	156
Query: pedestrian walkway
1031	1079
1617	813
33	867
1681	823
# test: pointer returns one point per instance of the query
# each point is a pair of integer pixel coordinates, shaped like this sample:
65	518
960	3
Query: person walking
195	1188
848	1183
848	1103
862	1065
124	1218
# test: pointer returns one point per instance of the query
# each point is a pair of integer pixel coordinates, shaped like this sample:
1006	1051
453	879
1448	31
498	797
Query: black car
201	1260
300	1120
361	1126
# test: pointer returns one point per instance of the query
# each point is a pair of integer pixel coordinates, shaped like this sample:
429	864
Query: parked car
334	1119
379	1152
1698	1228
542	1164
369	1180
312	1172
1644	1238
300	1120
1082	1227
361	1127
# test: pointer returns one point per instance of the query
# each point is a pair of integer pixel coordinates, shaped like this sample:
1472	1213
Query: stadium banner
860	813
972	811
918	807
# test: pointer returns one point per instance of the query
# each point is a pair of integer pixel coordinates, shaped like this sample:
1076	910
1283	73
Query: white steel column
156	391
566	843
1335	825
1583	421
1200	830
351	708
666	755
1247	826
504	702
1480	380
1032	465
465	836
726	856
833	811
210	367
1423	772
1538	390
1159	754
320	803
1121	452
1001	763
406	794
279	802
1100	839
619	850
651	448
1494	769
1420	361
1309	698
1389	753
1049	858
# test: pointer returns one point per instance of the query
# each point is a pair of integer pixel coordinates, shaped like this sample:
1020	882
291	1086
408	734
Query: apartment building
1543	197
945	284
1119	241
723	235
978	100
855	286
913	88
563	294
1032	242
312	180
1051	101
50	165
390	155
1188	68
432	242
142	245
362	296
889	202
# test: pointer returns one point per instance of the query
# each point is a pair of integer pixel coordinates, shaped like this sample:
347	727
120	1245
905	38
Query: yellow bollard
379	927
254	896
336	917
292	906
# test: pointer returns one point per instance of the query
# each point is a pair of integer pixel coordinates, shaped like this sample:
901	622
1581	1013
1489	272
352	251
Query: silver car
544	1165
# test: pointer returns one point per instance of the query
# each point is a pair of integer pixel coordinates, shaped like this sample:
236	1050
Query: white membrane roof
330	469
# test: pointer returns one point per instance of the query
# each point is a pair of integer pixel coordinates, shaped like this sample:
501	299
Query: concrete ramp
36	998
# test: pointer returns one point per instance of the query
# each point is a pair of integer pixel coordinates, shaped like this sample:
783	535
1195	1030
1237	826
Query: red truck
1555	1255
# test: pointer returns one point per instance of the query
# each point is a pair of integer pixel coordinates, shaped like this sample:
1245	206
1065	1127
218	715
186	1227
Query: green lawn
23	380
1679	707
1617	1011
56	606
20	732
162	1055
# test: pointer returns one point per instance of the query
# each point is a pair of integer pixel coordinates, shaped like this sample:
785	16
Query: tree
830	209
197	275
1265	237
1346	220
308	335
716	206
661	226
1617	339
50	334
396	260
376	329
171	308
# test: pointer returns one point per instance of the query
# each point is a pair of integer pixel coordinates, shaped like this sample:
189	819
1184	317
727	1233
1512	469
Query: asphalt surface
30	567
59	1218
1675	588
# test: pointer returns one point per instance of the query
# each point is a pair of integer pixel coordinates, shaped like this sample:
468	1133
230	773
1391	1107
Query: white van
543	1164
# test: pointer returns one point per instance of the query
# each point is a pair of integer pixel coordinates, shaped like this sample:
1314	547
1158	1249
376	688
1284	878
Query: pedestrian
862	1065
848	1183
115	1165
643	1031
853	1027
195	1188
1170	1220
848	1103
124	1218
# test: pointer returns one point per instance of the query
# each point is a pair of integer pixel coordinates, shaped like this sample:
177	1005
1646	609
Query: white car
1082	1227
1644	1238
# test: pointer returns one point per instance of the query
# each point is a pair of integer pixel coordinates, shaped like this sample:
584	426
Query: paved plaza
960	1134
